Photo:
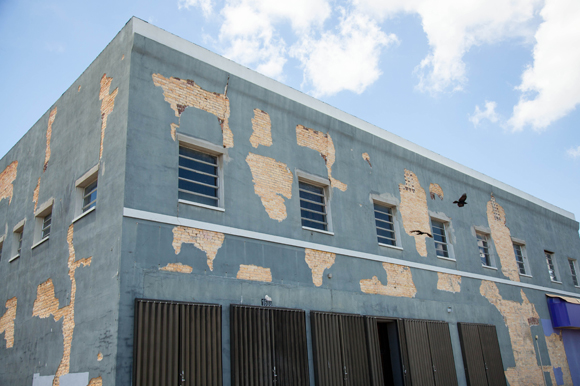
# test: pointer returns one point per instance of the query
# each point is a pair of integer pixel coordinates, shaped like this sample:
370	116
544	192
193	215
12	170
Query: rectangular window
573	271
482	243
552	269
520	258
313	207
18	243
46	225
385	225
86	193
17	237
198	177
90	197
43	223
440	237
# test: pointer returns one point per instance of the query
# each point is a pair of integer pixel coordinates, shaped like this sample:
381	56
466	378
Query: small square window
521	259
552	267
443	247
313	206
198	177
86	193
385	225
573	270
483	245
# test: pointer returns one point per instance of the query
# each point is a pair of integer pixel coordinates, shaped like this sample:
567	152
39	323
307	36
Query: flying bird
461	201
419	233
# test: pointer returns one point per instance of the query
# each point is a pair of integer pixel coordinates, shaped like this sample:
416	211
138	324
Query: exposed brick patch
46	304
534	321
183	93
107	105
255	273
435	190
7	177
516	315
207	241
322	143
448	282
7	322
558	358
177	267
262	127
51	118
318	261
414	210
399	282
79	89
100	356
98	381
367	158
35	193
502	240
272	179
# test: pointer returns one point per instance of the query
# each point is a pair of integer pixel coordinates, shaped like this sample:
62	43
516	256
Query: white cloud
345	60
551	86
574	153
489	114
205	5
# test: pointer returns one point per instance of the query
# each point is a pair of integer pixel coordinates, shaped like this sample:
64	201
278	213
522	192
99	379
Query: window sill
40	242
391	246
201	205
447	258
556	282
13	258
318	230
525	275
84	214
489	267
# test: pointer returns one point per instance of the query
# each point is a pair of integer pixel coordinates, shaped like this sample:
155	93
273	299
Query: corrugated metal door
441	354
375	361
420	365
290	347
327	348
404	353
176	343
472	354
355	351
492	355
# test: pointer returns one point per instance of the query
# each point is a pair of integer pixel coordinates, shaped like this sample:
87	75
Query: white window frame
321	183
43	210
446	221
392	204
576	271
522	245
17	239
84	181
556	270
214	150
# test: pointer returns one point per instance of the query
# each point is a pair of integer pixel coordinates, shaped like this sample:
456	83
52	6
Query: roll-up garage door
268	346
481	355
177	343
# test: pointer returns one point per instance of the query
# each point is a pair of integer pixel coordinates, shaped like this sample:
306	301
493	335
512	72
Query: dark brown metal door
420	365
404	353
355	354
472	354
375	361
492	355
441	354
290	347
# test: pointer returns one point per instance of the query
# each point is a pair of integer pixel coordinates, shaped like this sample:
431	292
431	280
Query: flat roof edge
182	45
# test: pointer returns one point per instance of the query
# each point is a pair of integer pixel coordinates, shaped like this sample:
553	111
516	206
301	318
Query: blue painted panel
564	314
559	375
571	340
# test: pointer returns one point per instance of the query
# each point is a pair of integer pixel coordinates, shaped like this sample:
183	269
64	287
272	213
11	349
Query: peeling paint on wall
207	241
46	304
367	158
399	282
517	318
107	105
51	118
100	356
502	240
98	381
35	193
7	177
318	261
255	273
448	282
414	210
272	179
177	267
435	190
560	369
322	143
183	93
7	322
262	128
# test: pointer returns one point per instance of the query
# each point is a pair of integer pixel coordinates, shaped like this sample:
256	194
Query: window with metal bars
482	244
198	177
46	221
519	252
313	206
385	225
573	271
552	269
18	242
440	238
90	196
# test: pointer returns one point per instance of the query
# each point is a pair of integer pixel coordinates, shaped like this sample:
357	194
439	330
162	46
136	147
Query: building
176	218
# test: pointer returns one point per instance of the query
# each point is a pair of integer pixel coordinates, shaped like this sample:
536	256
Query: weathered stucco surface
107	105
318	261
414	210
7	177
207	241
558	358
262	129
177	267
399	282
272	179
435	190
183	93
7	322
322	143
448	282
255	273
502	240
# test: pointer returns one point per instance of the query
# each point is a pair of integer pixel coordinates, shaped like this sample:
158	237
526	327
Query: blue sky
491	84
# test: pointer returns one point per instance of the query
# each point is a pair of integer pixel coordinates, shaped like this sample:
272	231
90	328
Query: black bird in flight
461	201
419	233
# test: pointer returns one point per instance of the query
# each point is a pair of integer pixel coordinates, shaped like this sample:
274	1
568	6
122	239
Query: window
482	243
313	206
42	227
573	271
440	237
552	268
86	195
17	239
521	259
385	225
90	197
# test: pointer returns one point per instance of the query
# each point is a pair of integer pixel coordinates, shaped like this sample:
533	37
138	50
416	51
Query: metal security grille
385	225
177	344
198	177
481	355
312	206
268	346
440	238
483	249
520	258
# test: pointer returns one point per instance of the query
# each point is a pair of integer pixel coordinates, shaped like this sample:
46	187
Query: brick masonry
502	240
558	358
177	267
183	93
399	282
46	304
207	241
7	178
51	118
448	282
36	193
272	180
107	105
414	210
318	261
255	273
7	322
322	143
262	129
98	381
367	158
435	190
